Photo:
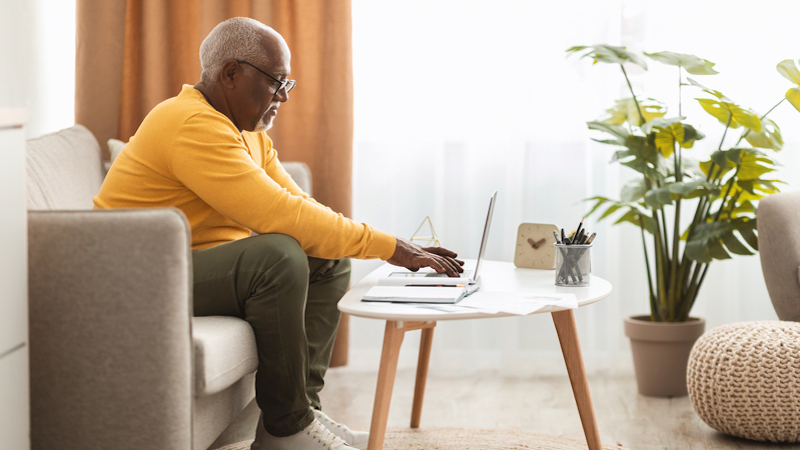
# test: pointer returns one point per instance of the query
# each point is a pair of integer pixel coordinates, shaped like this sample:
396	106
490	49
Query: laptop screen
485	237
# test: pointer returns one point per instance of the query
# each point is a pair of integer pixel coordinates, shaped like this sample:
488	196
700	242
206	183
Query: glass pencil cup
573	264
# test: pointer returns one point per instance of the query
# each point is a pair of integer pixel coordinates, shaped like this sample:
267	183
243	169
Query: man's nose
282	95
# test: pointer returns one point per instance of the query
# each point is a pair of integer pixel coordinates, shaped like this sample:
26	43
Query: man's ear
231	70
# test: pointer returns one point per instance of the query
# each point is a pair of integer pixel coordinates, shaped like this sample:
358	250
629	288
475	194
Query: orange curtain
133	54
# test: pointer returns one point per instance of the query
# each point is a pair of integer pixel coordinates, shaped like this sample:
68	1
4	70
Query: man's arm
413	257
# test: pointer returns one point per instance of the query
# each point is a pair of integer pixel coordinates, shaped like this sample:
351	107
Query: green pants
290	301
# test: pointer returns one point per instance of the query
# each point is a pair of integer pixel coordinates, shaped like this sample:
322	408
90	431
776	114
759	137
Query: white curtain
456	99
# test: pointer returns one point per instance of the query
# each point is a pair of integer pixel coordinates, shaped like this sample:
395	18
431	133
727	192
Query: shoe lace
328	421
318	432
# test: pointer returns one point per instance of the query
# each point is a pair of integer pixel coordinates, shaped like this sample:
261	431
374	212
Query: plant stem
725	197
636	102
666	234
733	205
696	289
674	292
692	292
661	265
647	265
680	95
728	125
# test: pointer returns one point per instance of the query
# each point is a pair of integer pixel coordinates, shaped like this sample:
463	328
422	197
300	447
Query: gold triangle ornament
432	240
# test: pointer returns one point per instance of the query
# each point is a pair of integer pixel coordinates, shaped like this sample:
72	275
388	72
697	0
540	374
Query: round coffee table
495	277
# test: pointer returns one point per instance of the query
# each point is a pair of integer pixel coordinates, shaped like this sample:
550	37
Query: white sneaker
313	437
357	439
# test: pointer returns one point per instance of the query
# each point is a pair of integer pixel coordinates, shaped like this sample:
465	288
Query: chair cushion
64	170
224	352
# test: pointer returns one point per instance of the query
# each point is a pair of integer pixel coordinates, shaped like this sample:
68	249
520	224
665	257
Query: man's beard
261	126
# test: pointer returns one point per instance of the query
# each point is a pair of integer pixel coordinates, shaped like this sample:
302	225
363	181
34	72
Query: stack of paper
518	303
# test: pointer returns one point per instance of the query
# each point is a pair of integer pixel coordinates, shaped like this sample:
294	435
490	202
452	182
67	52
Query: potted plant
690	211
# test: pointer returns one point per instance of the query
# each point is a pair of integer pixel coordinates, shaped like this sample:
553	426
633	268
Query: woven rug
434	438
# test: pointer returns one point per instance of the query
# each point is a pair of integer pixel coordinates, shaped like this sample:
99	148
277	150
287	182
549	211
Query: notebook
469	279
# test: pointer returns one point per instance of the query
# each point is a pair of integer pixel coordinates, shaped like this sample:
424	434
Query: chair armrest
110	329
779	250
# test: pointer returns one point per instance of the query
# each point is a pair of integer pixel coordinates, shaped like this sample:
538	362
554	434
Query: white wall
37	61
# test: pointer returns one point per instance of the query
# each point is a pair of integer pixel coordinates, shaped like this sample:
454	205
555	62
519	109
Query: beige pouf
744	380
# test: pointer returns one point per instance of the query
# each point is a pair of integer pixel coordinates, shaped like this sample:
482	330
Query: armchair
117	360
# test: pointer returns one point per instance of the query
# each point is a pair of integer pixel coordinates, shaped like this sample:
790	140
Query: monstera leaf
713	92
726	111
638	217
609	54
788	69
670	192
668	132
625	111
619	134
690	63
710	240
746	191
769	137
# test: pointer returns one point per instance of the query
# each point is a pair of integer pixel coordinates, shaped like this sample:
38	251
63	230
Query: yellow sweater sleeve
194	158
274	169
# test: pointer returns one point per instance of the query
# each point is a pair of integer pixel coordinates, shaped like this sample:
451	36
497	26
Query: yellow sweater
188	155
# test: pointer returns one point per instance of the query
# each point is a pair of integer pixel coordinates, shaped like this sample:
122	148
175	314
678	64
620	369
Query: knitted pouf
744	380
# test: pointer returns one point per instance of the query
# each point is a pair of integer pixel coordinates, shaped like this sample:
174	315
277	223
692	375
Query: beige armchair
117	360
779	249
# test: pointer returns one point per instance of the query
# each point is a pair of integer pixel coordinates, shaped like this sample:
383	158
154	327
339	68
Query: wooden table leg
571	348
425	343
392	338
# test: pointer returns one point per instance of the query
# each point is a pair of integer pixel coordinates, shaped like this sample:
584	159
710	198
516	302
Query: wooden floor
539	405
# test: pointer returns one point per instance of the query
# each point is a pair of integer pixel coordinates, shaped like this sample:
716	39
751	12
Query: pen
591	238
555	233
580	227
563	236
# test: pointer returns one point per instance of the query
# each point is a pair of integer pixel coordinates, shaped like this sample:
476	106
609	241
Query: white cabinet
14	380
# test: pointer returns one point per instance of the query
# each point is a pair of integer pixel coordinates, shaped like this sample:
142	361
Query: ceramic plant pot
661	353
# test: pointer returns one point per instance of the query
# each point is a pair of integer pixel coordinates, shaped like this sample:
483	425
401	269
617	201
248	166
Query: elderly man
207	153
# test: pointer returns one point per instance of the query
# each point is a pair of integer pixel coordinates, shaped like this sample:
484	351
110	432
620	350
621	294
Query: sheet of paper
518	303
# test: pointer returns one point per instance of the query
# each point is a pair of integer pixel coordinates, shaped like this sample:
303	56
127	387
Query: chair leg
571	348
392	339
426	341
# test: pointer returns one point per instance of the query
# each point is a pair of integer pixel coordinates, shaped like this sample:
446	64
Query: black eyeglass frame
285	84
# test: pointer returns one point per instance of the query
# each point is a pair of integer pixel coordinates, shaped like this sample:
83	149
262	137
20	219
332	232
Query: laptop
469	278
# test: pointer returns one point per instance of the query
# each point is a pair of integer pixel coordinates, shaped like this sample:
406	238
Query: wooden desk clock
535	248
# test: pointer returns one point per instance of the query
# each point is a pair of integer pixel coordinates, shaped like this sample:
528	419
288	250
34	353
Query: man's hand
413	257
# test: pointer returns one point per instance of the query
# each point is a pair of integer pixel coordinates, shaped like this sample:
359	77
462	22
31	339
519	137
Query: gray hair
236	38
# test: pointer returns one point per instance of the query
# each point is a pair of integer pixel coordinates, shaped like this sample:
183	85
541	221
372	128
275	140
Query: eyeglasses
285	84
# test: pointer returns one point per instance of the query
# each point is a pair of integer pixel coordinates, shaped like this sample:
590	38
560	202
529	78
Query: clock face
535	248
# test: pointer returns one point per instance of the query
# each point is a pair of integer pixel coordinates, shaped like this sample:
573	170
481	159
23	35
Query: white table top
496	276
